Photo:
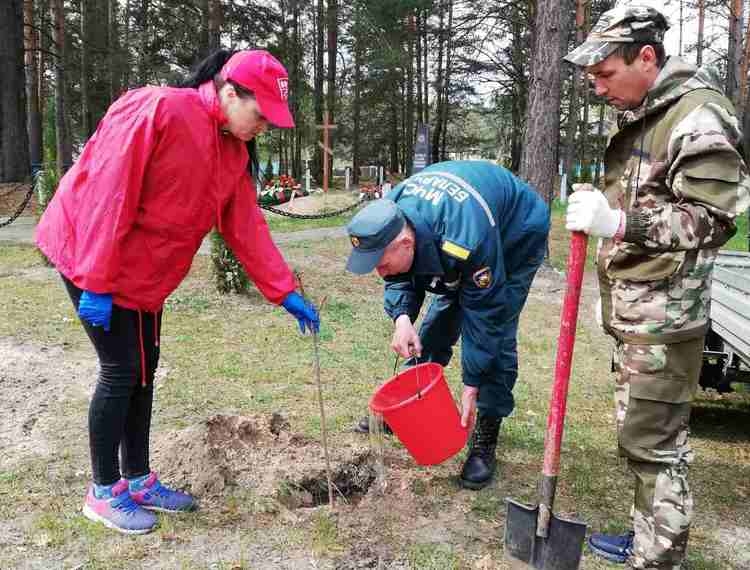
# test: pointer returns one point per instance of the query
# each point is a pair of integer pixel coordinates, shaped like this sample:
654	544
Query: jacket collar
210	100
426	255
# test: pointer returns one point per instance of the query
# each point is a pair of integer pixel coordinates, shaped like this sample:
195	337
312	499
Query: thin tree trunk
357	104
126	44
682	25
409	132
394	137
203	42
437	135
45	35
599	148
143	60
734	51
14	141
62	130
576	85
85	70
446	83
34	117
519	91
215	20
539	162
296	89
418	39
318	80
114	62
333	30
701	26
425	78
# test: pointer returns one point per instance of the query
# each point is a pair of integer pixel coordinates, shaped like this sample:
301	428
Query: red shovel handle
556	417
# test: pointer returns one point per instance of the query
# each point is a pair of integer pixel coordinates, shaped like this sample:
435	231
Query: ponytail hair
207	70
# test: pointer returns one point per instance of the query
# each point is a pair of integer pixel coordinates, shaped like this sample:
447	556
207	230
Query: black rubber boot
363	426
479	468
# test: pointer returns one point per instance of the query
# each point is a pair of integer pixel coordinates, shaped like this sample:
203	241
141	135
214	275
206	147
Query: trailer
726	358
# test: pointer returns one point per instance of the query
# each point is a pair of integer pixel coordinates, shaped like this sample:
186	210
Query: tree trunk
203	41
576	84
357	102
297	82
85	70
734	51
409	132
394	137
418	54
425	75
437	135
318	81
215	20
599	156
126	44
539	162
34	116
143	59
446	83
519	90
114	54
701	26
333	30
62	124
14	141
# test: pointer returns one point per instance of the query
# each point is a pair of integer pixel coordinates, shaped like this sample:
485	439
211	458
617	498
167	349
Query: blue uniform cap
370	232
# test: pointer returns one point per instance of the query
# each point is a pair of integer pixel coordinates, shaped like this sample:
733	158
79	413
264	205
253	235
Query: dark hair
208	70
629	52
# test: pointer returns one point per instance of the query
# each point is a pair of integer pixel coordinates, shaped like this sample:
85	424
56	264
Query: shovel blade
560	550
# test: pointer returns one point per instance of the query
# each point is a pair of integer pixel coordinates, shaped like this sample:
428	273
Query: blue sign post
421	149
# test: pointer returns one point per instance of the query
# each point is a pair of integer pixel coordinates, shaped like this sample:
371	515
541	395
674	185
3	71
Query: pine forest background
487	77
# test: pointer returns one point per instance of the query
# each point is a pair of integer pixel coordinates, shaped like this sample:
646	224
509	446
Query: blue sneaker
118	511
152	495
615	548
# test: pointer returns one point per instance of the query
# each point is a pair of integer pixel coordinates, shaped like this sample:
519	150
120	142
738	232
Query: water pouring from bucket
418	406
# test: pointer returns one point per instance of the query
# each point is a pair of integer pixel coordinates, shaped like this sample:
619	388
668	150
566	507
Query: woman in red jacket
165	165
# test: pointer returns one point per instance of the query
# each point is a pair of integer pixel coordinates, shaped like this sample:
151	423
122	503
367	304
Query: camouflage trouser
655	388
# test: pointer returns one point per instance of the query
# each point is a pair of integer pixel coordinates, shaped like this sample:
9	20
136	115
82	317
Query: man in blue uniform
474	235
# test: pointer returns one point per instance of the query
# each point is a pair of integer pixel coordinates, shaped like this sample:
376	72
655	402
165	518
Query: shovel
535	537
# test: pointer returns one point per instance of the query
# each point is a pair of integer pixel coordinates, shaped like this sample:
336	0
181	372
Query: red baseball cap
260	72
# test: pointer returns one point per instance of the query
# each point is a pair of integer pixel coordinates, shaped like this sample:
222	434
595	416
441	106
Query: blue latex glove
96	309
305	313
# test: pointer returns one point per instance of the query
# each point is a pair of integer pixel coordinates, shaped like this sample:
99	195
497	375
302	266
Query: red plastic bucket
420	409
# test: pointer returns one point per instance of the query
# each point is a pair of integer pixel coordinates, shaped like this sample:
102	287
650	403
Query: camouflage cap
625	24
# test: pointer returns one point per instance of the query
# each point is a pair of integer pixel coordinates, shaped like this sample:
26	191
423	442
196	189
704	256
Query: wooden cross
326	126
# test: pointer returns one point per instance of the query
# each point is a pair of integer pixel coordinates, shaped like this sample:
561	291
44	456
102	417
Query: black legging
120	410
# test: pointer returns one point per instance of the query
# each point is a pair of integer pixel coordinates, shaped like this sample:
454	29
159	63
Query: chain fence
19	210
17	213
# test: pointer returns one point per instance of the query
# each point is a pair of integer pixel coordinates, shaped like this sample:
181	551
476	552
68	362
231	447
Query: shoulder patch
456	250
483	278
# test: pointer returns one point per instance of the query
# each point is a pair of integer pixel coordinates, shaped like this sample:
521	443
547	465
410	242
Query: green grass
238	354
740	240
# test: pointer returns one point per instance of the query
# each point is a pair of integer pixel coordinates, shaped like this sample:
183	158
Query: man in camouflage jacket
675	182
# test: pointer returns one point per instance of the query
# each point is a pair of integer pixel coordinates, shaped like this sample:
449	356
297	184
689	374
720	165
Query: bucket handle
419	384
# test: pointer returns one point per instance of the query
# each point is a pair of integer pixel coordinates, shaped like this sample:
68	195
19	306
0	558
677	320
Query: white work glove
589	212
